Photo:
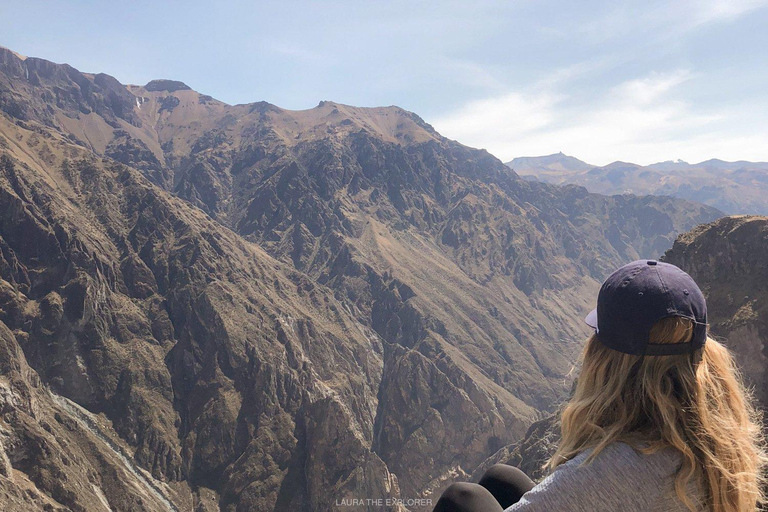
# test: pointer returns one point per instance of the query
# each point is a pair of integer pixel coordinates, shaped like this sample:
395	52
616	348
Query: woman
659	419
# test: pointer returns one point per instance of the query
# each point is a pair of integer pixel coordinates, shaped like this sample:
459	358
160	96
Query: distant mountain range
734	187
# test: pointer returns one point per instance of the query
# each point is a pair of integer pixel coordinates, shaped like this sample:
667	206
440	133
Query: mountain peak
556	161
166	85
16	54
392	123
618	164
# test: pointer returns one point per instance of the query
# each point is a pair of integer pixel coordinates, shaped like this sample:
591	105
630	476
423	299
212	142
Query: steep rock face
220	367
417	309
531	453
50	459
729	260
61	85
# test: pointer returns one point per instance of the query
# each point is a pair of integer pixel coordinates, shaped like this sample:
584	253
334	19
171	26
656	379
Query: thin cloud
658	22
647	90
722	10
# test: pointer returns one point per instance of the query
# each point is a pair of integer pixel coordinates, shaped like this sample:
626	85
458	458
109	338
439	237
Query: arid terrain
240	307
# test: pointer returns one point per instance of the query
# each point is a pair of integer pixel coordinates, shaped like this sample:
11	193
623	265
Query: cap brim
591	319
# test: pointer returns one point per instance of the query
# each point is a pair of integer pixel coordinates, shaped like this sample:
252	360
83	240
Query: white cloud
641	120
646	90
721	10
509	116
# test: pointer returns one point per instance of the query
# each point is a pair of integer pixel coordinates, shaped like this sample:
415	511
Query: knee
467	497
504	469
502	472
506	483
459	492
498	470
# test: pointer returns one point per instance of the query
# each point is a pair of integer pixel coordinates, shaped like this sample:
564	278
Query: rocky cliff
268	309
729	260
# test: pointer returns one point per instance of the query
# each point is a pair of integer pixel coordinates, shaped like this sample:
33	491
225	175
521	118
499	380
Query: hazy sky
641	81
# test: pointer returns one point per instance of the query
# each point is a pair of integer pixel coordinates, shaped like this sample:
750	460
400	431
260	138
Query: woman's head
639	294
694	402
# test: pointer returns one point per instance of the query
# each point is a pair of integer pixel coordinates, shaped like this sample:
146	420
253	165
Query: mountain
713	164
671	165
555	165
734	187
242	307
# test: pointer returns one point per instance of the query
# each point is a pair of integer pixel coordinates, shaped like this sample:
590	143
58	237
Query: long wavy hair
695	403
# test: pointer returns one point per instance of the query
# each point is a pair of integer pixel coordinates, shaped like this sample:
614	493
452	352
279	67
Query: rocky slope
219	367
271	309
52	456
733	187
729	260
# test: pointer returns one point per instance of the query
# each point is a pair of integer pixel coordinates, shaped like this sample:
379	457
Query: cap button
652	262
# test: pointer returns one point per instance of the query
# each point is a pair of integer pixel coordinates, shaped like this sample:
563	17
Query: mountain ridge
735	187
536	162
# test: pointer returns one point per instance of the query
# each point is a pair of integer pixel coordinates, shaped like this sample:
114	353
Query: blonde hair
695	403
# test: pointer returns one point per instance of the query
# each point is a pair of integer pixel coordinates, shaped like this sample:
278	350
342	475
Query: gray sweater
618	479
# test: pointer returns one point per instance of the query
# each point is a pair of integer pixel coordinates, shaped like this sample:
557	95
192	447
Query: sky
639	81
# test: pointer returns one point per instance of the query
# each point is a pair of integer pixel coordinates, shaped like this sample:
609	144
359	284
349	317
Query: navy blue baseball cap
638	295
